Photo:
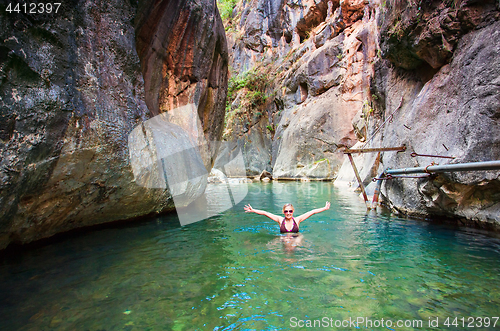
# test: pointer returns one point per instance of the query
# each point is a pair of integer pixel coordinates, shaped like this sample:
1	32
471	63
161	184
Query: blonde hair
286	205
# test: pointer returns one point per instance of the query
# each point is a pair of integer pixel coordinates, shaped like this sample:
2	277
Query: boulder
310	138
216	176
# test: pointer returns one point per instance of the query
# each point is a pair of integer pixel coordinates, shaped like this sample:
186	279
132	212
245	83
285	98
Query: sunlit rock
163	156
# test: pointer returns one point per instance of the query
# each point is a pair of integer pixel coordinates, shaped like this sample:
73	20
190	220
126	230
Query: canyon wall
319	56
442	72
73	88
423	74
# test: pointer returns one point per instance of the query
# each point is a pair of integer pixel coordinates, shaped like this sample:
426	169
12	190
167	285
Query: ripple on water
235	271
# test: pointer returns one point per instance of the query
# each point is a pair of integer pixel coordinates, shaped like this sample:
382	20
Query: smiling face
288	211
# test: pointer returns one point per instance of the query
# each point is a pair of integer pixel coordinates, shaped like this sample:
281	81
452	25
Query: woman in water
288	223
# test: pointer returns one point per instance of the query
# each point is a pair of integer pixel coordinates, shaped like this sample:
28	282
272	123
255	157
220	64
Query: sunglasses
288	211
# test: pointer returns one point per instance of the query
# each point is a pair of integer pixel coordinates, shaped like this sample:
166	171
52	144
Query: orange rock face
184	60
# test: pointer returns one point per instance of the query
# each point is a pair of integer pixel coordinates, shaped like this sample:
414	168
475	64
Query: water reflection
288	242
235	271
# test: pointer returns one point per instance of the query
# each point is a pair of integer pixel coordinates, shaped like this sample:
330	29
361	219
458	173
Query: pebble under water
234	271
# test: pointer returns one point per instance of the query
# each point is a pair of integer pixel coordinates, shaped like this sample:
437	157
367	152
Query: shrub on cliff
252	84
226	8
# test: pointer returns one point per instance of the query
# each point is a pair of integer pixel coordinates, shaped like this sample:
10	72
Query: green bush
250	87
256	84
226	8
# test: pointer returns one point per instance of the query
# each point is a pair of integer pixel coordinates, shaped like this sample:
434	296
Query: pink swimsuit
283	229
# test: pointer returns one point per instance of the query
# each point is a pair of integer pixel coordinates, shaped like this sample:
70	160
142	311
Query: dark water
235	272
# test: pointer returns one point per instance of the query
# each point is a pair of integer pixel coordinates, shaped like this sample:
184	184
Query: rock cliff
376	74
448	106
73	87
320	56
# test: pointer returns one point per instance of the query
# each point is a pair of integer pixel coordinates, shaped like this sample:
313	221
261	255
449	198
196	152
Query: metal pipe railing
472	166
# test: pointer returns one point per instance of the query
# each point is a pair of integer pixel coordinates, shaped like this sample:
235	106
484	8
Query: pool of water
234	271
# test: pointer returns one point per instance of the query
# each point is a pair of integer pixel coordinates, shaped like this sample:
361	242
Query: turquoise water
236	272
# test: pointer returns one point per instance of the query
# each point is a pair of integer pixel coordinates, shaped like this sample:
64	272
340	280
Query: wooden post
358	178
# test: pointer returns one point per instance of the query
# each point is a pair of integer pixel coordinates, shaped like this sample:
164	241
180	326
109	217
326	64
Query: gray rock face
456	113
428	33
311	135
71	92
319	70
184	60
319	84
276	25
325	88
163	156
255	146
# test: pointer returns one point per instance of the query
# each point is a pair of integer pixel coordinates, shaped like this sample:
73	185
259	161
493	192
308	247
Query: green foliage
321	160
250	89
256	98
367	108
254	82
397	29
226	8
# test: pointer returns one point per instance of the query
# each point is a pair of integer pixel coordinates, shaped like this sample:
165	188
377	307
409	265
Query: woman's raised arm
305	216
249	209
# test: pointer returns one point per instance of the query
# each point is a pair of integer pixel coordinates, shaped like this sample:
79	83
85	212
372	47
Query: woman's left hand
327	205
248	209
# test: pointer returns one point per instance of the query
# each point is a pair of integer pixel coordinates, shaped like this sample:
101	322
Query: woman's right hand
248	209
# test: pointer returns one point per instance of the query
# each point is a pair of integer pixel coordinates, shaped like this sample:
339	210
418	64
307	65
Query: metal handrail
471	166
